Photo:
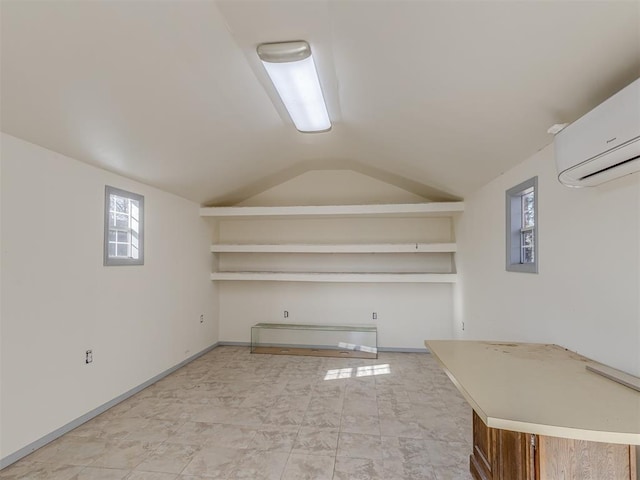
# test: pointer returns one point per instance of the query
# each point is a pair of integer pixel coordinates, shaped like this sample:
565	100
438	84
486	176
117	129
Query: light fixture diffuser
292	70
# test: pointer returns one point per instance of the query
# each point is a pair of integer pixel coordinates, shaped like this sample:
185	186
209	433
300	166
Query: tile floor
233	415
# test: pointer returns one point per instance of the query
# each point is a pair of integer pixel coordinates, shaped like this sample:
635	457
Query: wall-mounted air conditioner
604	144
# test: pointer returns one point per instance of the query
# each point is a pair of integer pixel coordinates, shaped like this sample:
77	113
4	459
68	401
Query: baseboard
234	344
380	349
403	350
24	451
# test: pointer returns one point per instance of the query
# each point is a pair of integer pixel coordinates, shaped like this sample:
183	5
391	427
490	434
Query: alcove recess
388	243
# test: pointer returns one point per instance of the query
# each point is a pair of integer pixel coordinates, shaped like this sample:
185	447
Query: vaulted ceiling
438	97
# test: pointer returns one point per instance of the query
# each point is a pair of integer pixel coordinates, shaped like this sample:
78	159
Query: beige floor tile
249	416
233	415
148	410
47	453
92	429
395	427
446	454
193	433
124	454
277	439
40	471
152	476
453	473
79	451
325	405
211	414
175	411
123	407
358	469
356	445
285	415
259	465
215	462
155	431
408	471
314	441
96	473
169	457
231	436
405	450
120	428
309	467
322	419
360	423
354	405
328	390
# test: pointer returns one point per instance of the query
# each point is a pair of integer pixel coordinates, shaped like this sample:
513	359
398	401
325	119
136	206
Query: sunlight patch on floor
366	371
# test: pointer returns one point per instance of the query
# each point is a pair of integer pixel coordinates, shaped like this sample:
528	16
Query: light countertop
540	389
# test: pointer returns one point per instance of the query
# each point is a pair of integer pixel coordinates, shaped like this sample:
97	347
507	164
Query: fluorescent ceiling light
293	73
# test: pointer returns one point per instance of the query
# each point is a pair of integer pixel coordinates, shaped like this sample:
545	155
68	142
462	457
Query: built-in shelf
401	209
337	277
336	248
382	211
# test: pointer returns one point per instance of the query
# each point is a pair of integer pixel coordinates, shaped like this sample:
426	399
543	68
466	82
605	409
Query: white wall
332	187
586	295
58	300
407	313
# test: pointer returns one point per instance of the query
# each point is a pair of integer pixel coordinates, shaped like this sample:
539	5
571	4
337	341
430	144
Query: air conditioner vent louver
604	144
610	167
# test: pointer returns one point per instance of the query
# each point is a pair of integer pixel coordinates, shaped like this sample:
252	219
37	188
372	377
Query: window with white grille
123	227
522	227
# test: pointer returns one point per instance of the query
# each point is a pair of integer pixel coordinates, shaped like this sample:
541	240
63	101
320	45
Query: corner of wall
589	271
139	320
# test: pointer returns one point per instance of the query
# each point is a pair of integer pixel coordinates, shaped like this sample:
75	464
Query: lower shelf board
314	352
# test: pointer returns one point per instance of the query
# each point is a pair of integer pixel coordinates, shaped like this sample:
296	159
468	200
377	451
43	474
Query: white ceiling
448	94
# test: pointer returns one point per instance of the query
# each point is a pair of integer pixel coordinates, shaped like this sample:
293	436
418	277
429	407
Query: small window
123	227
522	227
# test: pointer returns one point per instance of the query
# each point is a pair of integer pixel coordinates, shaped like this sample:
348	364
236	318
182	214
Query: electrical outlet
286	314
375	316
88	358
201	318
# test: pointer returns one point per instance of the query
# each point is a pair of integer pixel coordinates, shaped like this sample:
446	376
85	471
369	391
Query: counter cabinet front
508	455
549	419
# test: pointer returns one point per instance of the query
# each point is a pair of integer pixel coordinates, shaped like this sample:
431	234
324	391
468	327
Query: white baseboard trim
403	350
41	442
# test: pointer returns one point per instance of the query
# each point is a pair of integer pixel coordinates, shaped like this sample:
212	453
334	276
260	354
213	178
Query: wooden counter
542	410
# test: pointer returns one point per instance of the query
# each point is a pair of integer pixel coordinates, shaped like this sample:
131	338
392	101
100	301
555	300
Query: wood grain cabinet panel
507	455
562	458
482	459
500	454
514	452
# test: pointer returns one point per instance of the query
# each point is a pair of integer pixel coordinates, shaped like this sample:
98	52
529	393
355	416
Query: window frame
121	261
515	228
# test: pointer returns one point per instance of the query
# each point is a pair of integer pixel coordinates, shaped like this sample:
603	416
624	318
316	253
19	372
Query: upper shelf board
337	277
399	209
335	248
